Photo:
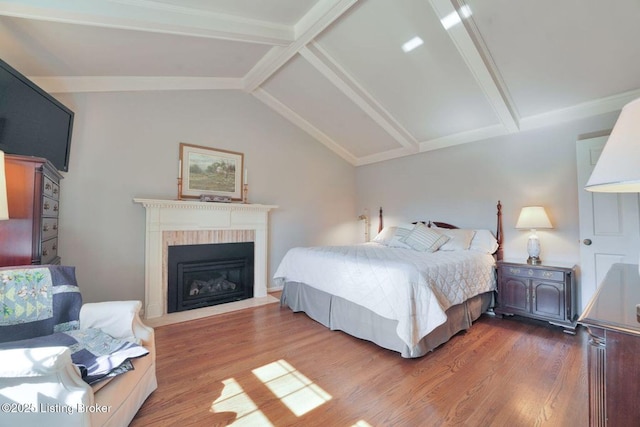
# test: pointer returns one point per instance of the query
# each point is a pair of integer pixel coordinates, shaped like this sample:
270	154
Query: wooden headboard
499	253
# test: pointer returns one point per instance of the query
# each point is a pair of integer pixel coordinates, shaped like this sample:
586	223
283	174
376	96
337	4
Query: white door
609	223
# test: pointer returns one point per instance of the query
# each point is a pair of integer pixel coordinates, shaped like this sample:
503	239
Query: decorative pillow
484	241
424	239
393	236
459	239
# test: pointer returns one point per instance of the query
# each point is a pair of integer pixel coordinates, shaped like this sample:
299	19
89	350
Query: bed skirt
339	314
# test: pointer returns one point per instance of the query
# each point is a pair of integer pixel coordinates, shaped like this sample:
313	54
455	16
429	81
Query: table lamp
533	218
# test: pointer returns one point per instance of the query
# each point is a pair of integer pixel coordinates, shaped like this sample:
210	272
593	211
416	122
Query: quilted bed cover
414	288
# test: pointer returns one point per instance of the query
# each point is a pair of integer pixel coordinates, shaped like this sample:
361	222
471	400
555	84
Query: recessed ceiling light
412	44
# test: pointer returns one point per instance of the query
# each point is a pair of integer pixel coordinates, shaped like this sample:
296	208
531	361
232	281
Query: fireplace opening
209	274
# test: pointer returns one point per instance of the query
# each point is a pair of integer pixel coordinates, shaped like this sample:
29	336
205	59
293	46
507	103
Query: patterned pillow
424	239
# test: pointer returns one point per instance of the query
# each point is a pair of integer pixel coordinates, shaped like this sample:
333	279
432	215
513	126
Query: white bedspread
414	288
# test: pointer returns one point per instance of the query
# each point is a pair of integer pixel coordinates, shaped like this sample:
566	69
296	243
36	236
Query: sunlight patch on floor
234	399
296	391
362	423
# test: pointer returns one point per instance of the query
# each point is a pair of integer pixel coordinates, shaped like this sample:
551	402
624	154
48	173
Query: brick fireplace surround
180	222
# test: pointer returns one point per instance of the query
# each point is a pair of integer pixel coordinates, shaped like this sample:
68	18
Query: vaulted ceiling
336	68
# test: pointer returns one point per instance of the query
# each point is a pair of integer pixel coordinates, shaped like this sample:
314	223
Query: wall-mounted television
32	122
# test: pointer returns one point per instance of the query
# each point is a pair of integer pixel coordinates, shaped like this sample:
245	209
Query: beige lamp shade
4	207
618	168
533	217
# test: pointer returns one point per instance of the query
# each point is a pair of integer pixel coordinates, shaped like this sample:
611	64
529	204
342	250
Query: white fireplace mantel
177	216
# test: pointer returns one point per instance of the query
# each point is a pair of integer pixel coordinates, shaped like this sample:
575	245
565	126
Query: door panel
609	224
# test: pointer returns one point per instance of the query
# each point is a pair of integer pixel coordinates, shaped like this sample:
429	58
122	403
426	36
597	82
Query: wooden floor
270	366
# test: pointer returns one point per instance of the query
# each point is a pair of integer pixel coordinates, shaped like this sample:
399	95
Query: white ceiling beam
584	110
339	77
474	52
323	14
150	16
463	137
385	155
134	83
297	120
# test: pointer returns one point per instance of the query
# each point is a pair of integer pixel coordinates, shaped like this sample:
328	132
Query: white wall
462	184
125	145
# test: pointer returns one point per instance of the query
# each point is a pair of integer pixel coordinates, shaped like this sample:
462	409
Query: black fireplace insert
209	274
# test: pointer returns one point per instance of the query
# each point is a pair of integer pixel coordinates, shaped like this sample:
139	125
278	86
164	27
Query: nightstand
544	292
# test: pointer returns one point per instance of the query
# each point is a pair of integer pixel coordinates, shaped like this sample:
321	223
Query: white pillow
392	237
459	239
424	239
484	241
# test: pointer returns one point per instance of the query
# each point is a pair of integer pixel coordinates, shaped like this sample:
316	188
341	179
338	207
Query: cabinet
543	292
30	235
613	325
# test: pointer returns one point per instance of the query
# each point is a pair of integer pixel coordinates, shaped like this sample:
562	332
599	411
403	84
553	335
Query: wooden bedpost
380	225
499	252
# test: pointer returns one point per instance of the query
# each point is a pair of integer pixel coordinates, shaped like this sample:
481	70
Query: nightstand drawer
534	273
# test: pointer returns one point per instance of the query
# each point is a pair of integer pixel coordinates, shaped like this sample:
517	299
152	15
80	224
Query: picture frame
209	171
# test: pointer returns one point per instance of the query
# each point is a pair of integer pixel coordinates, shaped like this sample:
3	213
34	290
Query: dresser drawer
534	273
51	189
49	251
49	207
49	228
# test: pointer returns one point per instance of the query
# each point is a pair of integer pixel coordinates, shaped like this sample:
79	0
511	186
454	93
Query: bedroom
313	153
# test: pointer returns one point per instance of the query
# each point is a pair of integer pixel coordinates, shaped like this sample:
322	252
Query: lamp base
534	260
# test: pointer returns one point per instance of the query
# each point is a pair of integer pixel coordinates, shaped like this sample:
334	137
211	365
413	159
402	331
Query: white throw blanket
414	288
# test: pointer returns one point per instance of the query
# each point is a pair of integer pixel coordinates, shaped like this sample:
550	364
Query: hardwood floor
270	366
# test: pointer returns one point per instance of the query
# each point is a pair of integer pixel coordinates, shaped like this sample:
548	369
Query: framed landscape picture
209	171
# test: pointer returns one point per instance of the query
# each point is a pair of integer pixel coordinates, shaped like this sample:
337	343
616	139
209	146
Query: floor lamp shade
618	168
4	207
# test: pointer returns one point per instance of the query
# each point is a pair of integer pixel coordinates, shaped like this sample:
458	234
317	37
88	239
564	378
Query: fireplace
209	274
182	222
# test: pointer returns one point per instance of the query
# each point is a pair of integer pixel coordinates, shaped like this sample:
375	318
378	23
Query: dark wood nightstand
543	292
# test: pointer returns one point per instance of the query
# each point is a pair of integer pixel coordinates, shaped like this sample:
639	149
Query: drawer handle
514	270
55	191
55	247
45	252
55	208
547	274
47	186
530	272
46	227
46	206
55	226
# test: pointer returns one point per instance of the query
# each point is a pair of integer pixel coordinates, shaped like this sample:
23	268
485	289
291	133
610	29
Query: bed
397	291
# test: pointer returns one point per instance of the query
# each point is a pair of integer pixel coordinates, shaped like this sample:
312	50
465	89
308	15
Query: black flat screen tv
32	122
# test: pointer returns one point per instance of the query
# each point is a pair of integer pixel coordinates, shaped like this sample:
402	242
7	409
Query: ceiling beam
323	14
340	78
151	16
467	39
85	84
297	120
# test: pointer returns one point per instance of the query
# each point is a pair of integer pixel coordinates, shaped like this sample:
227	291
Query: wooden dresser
614	348
30	236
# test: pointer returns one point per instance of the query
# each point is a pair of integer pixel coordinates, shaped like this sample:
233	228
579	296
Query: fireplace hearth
209	274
